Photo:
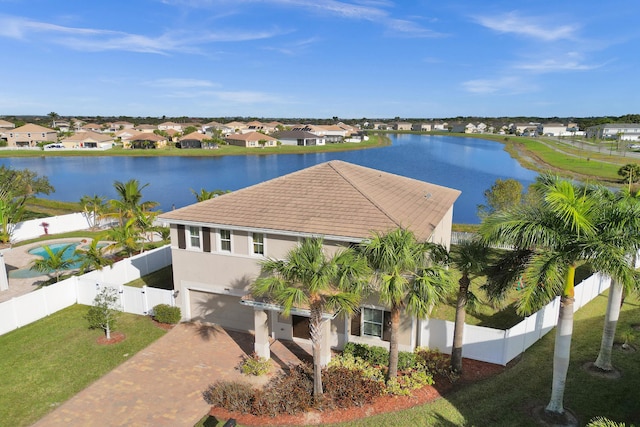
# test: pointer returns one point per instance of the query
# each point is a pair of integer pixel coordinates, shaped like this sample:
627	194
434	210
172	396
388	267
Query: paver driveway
162	384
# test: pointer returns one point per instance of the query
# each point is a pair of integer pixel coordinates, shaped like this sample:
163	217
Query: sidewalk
162	385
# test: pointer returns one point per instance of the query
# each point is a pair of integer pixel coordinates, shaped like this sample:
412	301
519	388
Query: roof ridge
380	208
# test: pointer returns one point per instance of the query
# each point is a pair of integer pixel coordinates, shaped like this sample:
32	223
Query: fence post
145	300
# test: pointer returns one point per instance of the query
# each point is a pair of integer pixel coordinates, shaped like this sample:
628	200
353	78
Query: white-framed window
194	238
225	240
258	244
372	322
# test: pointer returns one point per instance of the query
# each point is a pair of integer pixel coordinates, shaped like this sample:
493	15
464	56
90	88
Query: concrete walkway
162	385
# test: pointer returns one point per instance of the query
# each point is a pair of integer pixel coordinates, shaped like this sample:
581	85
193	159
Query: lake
468	164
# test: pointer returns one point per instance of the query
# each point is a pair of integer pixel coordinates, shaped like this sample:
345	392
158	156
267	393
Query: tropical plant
206	195
93	208
551	235
104	312
622	220
470	259
408	276
308	278
55	262
127	237
630	173
11	212
93	257
129	203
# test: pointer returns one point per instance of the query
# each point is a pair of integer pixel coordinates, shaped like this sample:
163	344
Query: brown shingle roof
330	199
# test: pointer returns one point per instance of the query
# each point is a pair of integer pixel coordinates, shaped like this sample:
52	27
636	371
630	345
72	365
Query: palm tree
93	207
623	226
93	257
56	261
551	235
126	236
406	277
206	195
130	203
470	258
308	278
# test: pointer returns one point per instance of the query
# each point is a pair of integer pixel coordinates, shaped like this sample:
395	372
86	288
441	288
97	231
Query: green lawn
507	399
48	361
162	279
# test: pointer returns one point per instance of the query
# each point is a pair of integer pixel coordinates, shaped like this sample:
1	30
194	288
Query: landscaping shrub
404	384
291	392
230	395
345	388
406	360
164	313
435	363
372	354
255	365
348	361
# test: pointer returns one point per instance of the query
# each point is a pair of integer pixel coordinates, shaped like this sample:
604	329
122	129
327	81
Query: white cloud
173	83
95	40
527	25
551	65
508	85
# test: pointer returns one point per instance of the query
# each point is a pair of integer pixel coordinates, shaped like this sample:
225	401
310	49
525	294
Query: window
258	244
194	237
372	322
225	240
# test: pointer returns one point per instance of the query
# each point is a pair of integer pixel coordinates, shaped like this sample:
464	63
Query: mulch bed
116	337
473	371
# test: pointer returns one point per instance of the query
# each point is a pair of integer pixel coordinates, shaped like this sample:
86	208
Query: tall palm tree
470	258
551	235
406	277
308	278
622	218
55	262
129	203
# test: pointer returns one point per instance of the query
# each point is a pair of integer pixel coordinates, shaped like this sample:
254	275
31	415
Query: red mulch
116	337
165	326
473	371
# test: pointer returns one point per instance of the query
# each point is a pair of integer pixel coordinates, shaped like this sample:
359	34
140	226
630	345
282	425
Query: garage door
224	310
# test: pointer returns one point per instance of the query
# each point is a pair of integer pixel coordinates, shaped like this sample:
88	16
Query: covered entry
223	310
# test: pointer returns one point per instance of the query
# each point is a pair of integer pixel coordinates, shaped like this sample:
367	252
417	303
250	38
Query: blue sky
321	58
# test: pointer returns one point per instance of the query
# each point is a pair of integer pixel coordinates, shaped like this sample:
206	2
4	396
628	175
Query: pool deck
19	257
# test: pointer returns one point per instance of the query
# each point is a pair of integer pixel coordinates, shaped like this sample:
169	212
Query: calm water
467	164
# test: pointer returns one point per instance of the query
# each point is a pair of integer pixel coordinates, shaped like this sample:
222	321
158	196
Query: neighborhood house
217	246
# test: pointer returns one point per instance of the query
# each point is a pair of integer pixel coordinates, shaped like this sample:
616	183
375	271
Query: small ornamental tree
105	311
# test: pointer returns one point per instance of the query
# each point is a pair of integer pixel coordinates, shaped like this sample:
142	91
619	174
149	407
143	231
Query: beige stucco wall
442	233
32	137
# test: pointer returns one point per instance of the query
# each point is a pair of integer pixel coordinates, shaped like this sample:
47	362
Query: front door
300	327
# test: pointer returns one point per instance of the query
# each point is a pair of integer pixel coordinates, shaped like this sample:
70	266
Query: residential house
30	135
552	129
193	140
421	127
145	140
379	126
402	126
441	127
217	246
91	127
88	140
458	128
119	125
4	125
333	133
299	137
170	125
146	128
236	126
251	140
524	129
624	131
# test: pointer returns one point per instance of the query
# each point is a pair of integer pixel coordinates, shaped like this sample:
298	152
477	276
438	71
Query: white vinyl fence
35	305
55	225
500	346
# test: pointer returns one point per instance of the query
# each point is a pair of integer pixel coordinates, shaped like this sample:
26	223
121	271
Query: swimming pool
27	273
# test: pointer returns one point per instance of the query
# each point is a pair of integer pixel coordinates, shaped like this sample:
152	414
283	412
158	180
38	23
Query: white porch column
4	282
261	324
325	345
